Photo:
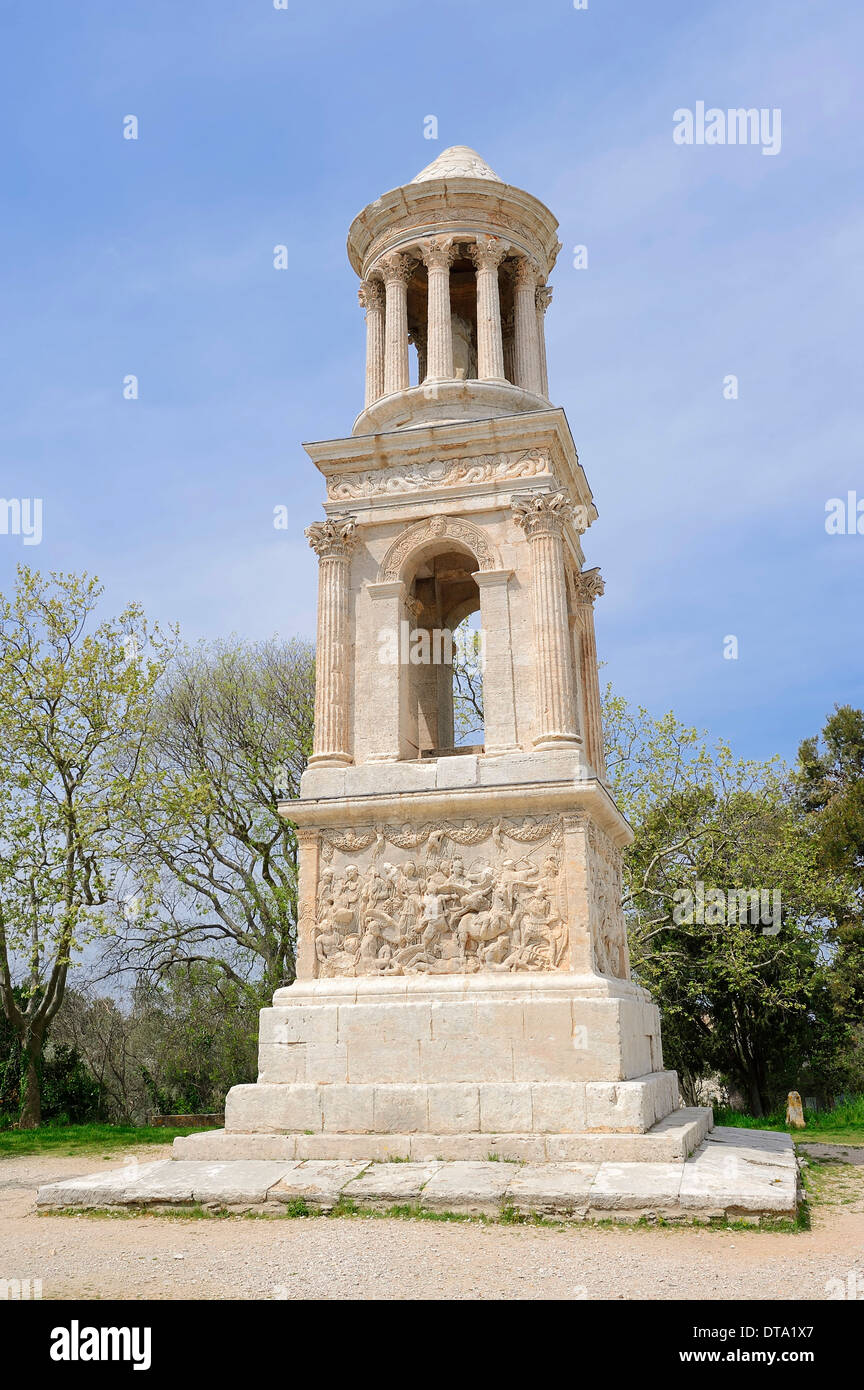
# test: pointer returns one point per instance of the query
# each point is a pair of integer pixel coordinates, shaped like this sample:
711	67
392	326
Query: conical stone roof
458	162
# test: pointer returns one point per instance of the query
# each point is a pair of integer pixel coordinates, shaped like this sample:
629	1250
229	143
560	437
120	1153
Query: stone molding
437	528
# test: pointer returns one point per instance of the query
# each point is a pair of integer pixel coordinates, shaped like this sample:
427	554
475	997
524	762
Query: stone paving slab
551	1189
729	1173
390	1183
318	1182
476	1188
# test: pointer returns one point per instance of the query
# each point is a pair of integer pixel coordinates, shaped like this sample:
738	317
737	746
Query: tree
743	996
216	865
73	707
467	684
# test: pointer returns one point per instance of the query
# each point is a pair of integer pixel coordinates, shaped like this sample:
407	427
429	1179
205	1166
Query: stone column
487	253
333	541
371	296
525	313
542	516
499	697
509	346
589	587
438	256
396	270
543	298
308	854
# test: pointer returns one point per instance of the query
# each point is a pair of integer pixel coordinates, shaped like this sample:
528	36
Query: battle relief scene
459	898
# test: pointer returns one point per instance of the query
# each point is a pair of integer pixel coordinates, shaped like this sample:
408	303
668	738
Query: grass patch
68	1140
842	1125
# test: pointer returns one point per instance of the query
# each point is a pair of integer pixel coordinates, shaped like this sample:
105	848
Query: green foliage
70	1139
756	1007
73	703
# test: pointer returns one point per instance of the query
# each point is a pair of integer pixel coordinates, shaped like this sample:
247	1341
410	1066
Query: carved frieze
442	899
486	468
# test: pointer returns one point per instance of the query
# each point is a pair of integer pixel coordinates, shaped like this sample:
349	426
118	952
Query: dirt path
336	1258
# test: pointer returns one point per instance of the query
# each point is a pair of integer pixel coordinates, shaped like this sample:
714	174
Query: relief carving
487	468
427	907
608	926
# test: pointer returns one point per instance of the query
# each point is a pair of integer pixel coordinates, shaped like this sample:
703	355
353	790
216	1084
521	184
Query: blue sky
261	126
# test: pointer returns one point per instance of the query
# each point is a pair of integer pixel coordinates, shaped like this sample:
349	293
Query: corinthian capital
541	513
589	585
487	252
527	273
543	297
439	253
371	294
396	266
333	539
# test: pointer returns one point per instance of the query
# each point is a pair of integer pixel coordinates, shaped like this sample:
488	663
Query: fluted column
525	312
333	542
371	296
542	299
509	346
589	586
396	271
487	253
542	517
438	256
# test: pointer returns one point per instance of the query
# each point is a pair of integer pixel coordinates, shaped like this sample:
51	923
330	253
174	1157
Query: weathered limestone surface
728	1175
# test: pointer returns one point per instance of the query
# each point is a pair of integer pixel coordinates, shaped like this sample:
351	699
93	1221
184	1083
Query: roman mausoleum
463	981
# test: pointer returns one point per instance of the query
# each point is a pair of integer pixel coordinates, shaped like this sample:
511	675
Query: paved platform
734	1173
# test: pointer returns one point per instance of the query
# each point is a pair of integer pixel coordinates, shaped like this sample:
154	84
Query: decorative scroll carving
608	926
445	528
439	473
427	908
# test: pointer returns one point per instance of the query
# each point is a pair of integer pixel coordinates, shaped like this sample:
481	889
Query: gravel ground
80	1257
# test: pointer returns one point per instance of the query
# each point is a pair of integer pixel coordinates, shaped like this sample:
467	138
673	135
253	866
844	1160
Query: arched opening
442	596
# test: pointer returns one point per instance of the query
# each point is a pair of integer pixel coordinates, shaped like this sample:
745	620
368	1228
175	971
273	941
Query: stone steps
734	1173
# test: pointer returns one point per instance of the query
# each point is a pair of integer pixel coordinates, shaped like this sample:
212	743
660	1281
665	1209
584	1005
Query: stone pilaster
525	312
371	296
487	253
499	696
333	542
542	516
438	256
389	694
589	586
308	853
543	298
396	270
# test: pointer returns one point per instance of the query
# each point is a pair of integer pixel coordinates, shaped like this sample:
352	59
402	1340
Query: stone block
454	1109
505	1106
642	1186
389	1184
302	1023
318	1183
401	1109
459	771
551	1189
372	1060
557	1107
347	1109
272	1109
477	1188
215	1146
326	1063
464	1059
281	1063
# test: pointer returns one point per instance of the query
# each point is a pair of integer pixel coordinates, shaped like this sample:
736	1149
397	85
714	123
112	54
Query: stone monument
463	983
